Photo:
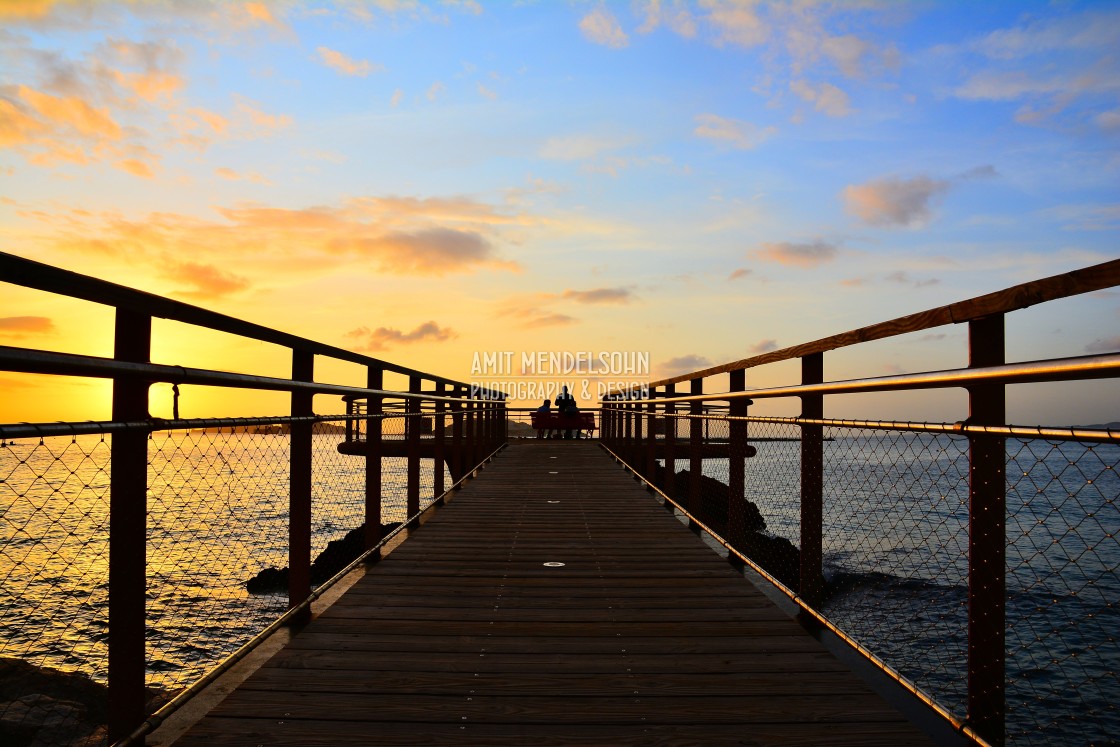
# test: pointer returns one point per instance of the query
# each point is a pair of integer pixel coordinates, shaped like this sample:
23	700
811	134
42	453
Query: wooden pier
553	601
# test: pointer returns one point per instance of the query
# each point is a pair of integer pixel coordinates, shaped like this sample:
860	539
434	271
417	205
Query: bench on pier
554	421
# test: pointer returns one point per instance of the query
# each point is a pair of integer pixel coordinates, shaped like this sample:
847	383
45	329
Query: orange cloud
600	295
894	202
384	337
236	176
203	281
71	112
798	255
735	132
135	167
347	66
21	326
601	27
363	235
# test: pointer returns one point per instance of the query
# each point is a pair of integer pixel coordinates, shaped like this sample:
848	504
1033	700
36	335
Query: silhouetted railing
976	562
127	546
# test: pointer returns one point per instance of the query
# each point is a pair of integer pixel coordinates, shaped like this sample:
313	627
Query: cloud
987	171
741	272
432	251
22	326
531	315
1109	120
263	124
135	167
601	27
236	176
763	346
902	278
345	65
579	147
383	338
398	97
678	18
389	235
894	202
435	90
825	97
798	255
204	281
684	364
735	132
735	23
600	296
1086	217
486	92
1104	345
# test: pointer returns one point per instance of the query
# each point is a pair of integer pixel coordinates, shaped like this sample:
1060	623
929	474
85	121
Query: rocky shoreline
46	707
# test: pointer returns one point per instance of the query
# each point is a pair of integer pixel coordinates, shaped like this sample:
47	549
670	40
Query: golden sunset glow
424	181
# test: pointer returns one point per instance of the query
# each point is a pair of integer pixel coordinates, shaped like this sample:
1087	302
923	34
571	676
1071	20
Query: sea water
895	552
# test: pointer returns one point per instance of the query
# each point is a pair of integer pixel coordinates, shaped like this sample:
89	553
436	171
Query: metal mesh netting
217	516
895	555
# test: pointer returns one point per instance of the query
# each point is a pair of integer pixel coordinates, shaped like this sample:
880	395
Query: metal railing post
670	486
987	539
651	438
736	471
412	435
812	483
437	448
457	466
375	379
128	491
695	452
299	491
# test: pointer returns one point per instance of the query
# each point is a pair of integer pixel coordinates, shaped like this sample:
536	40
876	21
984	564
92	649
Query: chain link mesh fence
217	517
895	530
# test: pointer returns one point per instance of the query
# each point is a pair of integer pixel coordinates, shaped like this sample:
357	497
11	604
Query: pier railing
976	562
128	547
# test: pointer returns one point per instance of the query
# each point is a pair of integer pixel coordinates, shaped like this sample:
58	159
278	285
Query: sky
689	182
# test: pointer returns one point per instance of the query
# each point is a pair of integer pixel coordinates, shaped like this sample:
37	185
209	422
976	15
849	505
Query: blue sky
697	180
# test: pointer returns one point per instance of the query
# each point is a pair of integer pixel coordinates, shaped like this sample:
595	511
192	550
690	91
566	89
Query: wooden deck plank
464	635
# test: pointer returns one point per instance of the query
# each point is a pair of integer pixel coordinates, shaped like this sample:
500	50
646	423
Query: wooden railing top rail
1086	280
32	274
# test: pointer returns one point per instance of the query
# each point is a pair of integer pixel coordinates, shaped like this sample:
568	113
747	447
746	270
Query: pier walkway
472	632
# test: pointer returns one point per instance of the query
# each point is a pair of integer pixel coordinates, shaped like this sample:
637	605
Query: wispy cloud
734	132
600	296
203	281
601	27
683	364
23	326
339	62
739	273
824	97
894	201
793	254
237	176
384	338
902	278
1104	345
763	346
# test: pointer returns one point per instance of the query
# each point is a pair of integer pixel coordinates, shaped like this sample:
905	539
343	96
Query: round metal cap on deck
553	564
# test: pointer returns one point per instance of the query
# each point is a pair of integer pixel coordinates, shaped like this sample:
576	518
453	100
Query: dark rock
335	556
42	706
777	555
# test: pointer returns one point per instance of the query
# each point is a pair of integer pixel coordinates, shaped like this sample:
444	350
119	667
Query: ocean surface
895	542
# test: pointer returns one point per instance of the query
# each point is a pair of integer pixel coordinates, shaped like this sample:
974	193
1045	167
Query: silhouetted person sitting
544	409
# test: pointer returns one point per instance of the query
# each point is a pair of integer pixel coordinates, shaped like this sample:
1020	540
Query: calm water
896	524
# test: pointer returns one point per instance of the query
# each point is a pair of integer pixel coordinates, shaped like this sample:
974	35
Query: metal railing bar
1046	433
25	360
1058	369
93	427
1085	280
32	274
